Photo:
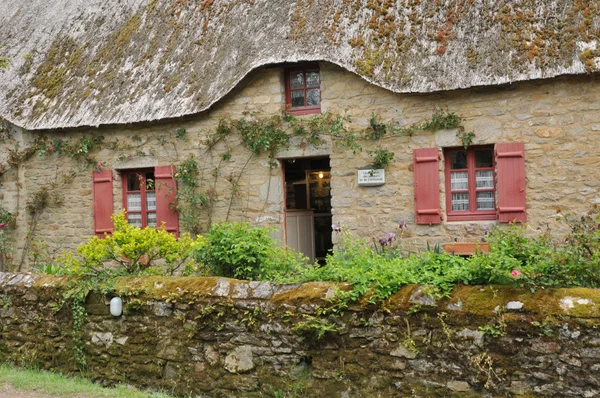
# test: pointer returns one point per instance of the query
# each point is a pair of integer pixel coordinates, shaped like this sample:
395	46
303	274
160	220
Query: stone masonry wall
558	119
216	337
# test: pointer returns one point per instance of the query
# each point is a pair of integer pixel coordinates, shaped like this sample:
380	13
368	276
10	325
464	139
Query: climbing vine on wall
197	186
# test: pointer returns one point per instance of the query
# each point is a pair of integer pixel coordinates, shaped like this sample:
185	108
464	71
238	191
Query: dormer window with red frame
303	90
470	183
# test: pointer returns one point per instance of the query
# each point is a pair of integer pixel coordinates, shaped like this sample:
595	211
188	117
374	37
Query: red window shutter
166	191
427	186
510	164
103	202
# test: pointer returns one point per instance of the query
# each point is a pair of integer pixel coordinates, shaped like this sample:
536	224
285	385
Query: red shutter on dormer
103	202
510	165
166	191
427	186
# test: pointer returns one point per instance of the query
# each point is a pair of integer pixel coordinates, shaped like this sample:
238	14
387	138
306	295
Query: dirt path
8	391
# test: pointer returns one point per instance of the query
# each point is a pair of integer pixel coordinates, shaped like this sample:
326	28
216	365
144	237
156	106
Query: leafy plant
315	328
381	158
466	138
191	200
7	225
242	251
441	120
133	250
376	129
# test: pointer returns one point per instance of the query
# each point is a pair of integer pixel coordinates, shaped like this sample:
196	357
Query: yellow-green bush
134	250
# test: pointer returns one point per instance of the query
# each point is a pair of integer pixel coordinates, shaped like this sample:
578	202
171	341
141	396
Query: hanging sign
368	177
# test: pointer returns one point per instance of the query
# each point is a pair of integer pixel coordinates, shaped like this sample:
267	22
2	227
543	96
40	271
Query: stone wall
558	120
214	337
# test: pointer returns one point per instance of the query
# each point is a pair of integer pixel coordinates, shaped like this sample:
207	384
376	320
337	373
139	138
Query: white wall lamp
116	306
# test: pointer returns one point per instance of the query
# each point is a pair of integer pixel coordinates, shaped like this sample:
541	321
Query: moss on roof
113	61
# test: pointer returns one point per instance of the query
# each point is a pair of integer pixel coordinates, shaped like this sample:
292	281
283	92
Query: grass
55	384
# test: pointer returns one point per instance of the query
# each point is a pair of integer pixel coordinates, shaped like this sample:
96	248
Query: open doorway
308	206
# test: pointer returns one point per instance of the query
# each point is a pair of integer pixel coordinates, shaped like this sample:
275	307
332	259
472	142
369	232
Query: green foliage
381	158
315	328
538	261
191	200
515	259
377	275
466	138
78	149
132	250
263	134
180	134
376	129
7	225
242	251
441	120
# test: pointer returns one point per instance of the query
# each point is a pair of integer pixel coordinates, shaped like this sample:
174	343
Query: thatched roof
92	62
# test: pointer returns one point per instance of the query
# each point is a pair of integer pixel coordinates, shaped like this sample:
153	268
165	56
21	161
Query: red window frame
301	110
469	215
141	174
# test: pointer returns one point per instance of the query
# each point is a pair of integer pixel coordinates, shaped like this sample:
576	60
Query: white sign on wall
367	177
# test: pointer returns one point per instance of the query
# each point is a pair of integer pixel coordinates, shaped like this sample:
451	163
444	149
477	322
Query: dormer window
303	90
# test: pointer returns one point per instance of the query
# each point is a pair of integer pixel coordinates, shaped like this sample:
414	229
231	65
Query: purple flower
402	224
387	239
336	228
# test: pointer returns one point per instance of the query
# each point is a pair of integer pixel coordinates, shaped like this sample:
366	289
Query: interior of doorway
308	206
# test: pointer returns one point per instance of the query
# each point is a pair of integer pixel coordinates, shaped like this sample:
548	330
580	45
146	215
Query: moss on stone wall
217	336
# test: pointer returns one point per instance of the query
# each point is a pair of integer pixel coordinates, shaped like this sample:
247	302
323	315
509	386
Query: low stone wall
214	337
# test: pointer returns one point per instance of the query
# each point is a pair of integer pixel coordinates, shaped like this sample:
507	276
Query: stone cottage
483	112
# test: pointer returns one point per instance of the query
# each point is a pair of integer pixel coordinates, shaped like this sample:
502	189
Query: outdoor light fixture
116	306
321	174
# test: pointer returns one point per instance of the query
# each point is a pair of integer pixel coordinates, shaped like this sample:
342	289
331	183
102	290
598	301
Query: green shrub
132	250
377	275
535	260
239	250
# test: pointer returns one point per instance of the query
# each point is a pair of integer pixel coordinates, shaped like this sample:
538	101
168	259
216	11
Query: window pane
460	201
134	219
152	219
459	181
133	182
458	160
150	180
150	201
134	201
484	179
312	79
297	80
297	98
485	200
313	97
484	158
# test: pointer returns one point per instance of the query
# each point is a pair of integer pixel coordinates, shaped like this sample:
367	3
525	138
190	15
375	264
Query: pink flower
515	273
50	149
1	225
